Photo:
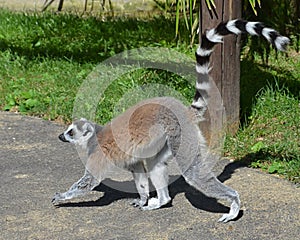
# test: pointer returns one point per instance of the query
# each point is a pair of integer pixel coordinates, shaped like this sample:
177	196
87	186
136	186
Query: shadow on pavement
178	185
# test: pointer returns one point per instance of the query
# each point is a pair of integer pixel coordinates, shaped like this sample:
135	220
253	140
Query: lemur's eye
70	133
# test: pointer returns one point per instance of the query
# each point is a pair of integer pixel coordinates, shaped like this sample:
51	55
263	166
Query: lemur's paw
57	198
234	210
138	202
153	203
226	218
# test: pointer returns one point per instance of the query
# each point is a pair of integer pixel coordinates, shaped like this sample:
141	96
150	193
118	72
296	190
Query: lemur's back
144	129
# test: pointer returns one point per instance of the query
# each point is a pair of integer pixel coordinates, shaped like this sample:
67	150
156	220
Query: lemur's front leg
83	186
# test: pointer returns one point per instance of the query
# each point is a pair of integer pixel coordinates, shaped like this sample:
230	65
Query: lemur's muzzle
62	138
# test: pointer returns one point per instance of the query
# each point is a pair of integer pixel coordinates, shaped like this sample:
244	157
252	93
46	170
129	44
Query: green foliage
255	75
45	59
186	11
41	87
23	100
271	138
270	110
253	5
81	39
257	147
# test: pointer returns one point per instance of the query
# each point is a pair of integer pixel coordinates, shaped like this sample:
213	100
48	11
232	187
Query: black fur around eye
70	133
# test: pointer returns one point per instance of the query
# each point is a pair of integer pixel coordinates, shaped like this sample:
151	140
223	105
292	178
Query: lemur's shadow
178	185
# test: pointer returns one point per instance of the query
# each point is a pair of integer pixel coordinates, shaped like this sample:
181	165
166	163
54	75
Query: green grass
44	58
269	137
41	87
270	140
80	39
255	75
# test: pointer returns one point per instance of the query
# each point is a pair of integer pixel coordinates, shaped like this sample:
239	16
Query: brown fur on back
129	132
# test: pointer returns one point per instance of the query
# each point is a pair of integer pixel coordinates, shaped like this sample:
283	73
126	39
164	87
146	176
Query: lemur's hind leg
83	186
212	187
158	173
142	184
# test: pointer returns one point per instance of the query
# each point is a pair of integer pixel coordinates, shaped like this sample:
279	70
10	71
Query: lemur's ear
88	129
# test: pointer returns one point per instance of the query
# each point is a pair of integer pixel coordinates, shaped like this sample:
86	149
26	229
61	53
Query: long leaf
185	15
210	4
253	5
177	17
191	15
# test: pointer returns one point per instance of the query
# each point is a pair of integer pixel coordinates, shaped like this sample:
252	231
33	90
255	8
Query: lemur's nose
62	138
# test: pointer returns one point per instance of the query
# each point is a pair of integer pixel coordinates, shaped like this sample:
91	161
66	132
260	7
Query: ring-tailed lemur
145	136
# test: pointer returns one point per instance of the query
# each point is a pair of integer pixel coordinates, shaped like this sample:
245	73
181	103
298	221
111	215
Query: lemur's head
78	132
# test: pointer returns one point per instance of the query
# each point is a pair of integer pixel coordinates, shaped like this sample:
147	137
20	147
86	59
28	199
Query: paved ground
34	165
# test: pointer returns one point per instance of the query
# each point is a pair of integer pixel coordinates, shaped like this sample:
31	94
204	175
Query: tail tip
281	43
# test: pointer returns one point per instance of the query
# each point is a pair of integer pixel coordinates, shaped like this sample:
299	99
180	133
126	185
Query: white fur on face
79	133
67	135
85	134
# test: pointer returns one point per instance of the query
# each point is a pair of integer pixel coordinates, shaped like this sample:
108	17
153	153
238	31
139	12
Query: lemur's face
78	132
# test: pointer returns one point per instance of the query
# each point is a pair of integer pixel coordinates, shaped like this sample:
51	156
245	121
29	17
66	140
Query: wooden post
225	61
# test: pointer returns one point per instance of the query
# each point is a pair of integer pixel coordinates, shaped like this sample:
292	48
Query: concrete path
34	165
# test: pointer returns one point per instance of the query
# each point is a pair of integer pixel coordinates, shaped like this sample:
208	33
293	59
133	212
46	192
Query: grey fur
180	139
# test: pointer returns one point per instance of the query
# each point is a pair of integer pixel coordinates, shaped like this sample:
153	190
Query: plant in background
191	18
253	5
186	10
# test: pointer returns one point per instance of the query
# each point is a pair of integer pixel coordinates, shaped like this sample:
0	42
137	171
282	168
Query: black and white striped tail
215	36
